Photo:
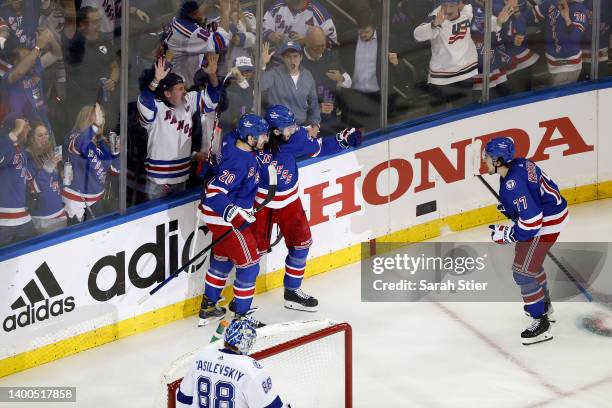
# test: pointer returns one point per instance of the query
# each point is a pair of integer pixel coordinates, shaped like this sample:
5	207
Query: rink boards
402	186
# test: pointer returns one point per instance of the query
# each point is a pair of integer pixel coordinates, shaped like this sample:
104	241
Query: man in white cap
239	92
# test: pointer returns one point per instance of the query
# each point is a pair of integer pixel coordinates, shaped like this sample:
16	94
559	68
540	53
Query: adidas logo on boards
37	310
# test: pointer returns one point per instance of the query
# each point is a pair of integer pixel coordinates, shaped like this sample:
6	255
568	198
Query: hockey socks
295	263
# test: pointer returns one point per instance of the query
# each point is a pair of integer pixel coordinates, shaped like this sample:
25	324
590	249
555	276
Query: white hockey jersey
222	378
188	41
453	53
170	130
280	18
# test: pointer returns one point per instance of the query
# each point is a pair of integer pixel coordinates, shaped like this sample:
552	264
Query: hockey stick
269	197
476	164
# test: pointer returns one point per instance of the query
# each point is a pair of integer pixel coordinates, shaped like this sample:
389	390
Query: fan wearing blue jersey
227	204
288	142
228	377
532	200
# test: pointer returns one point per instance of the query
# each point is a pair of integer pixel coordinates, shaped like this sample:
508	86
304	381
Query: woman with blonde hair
47	210
88	154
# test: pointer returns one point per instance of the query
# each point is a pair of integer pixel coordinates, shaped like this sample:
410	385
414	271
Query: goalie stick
269	197
476	165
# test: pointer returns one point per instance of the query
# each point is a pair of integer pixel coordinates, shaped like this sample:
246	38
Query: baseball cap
244	64
289	45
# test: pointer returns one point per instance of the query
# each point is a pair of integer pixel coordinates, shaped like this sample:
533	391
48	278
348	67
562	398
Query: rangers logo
510	184
251	171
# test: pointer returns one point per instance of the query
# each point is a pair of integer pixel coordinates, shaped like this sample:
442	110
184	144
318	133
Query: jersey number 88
223	395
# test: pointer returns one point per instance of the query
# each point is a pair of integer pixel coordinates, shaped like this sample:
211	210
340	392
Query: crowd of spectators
194	63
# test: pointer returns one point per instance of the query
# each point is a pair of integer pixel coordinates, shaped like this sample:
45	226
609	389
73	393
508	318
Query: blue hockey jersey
16	170
91	163
235	180
563	43
532	200
605	20
521	56
49	201
285	161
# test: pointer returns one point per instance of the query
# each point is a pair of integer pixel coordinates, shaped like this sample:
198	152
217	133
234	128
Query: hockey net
310	363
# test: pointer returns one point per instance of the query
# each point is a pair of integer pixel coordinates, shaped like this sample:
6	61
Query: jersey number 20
222	396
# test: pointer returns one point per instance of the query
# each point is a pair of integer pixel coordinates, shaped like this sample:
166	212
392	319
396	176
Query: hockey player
166	110
228	204
532	200
288	142
228	377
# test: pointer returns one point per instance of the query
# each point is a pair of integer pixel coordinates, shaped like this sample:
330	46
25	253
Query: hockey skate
258	324
537	332
298	300
209	311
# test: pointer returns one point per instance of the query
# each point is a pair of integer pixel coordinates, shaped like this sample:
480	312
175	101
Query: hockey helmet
279	116
241	334
252	125
501	148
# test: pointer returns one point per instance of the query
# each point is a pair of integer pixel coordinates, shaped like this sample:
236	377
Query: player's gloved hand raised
349	137
502	234
237	216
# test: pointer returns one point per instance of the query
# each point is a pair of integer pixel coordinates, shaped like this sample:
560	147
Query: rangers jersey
521	56
234	182
49	202
16	173
605	20
563	52
187	41
285	161
532	200
22	26
499	56
279	18
170	129
224	378
453	53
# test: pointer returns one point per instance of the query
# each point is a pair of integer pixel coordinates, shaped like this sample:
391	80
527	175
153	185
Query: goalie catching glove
349	137
502	234
237	216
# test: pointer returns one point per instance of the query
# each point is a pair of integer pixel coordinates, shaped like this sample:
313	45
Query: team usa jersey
169	132
285	161
513	32
453	53
91	162
563	53
223	378
532	200
234	182
279	18
16	173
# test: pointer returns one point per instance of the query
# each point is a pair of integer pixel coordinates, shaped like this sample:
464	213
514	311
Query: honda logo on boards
140	261
41	300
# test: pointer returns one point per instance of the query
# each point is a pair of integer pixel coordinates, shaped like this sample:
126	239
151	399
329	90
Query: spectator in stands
16	173
166	111
110	13
290	19
22	20
187	40
565	22
514	37
363	60
292	85
92	67
454	61
47	210
88	153
605	26
329	76
238	93
23	89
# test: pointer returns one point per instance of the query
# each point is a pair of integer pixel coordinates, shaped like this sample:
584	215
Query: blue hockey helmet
279	116
500	148
241	334
251	125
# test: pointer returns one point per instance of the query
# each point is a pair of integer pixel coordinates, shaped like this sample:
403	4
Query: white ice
405	354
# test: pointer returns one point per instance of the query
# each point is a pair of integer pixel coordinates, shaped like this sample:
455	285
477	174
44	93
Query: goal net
310	363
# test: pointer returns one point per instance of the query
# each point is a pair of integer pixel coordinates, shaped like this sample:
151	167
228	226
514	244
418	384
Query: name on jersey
180	124
220	369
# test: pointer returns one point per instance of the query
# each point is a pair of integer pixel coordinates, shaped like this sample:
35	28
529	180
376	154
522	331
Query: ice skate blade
539	339
301	308
207	321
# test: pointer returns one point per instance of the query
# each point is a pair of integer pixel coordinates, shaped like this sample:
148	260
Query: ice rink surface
405	354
